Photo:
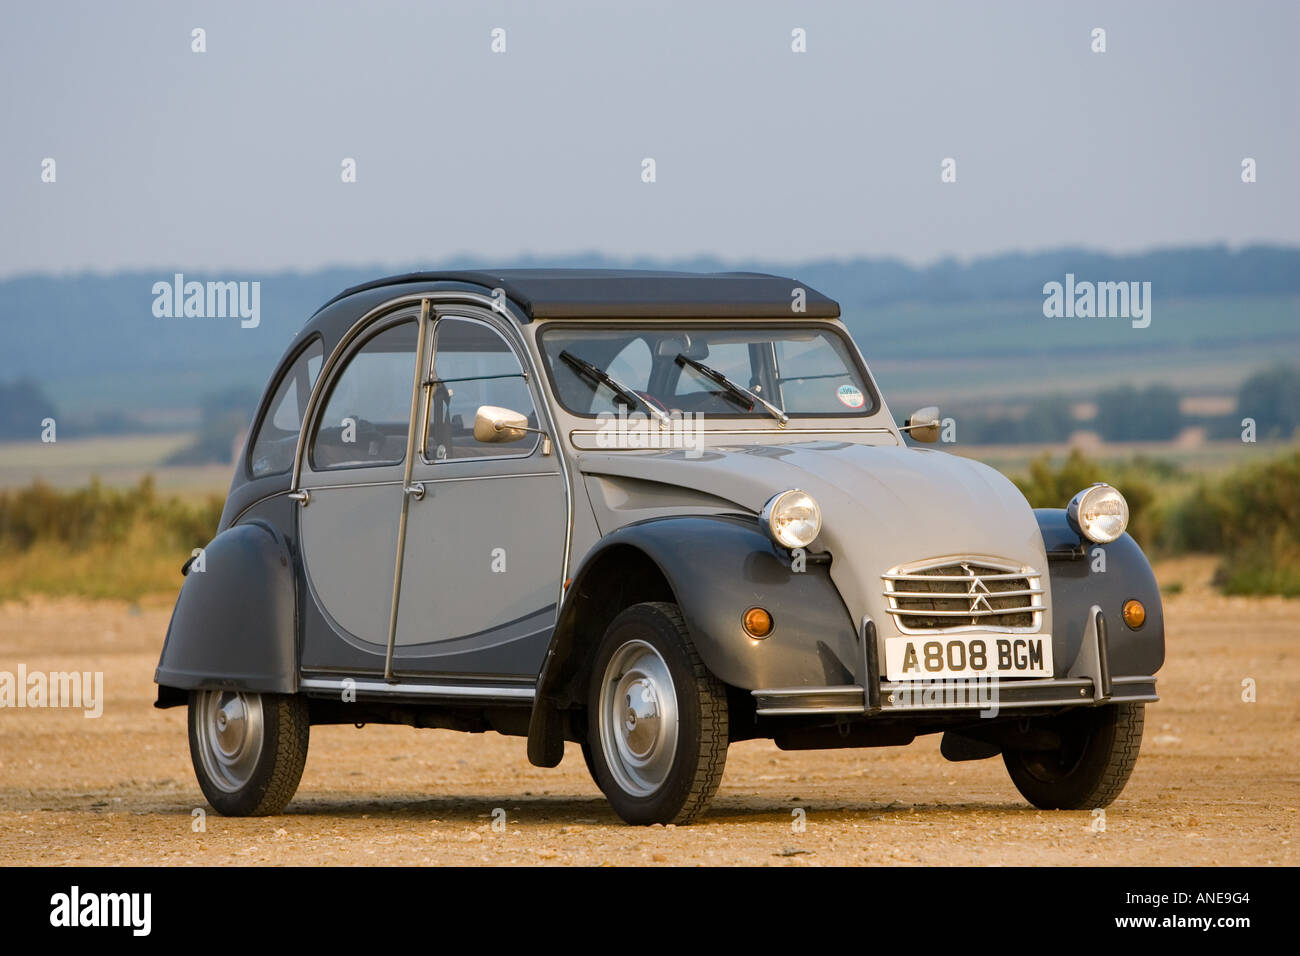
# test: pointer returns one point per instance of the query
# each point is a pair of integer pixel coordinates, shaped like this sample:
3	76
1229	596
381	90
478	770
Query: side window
472	366
277	434
367	413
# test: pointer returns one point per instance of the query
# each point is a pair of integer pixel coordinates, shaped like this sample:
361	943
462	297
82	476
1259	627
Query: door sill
421	688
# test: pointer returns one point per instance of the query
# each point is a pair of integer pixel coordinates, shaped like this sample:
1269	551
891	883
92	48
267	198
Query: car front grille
964	595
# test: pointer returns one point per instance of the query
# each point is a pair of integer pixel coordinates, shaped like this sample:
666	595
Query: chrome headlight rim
1076	512
771	513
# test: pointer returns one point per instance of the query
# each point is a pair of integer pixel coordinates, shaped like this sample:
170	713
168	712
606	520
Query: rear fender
234	625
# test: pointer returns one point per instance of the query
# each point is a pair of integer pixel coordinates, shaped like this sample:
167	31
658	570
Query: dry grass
97	541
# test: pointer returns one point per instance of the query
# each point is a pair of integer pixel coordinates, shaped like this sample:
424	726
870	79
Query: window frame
392	321
871	408
426	385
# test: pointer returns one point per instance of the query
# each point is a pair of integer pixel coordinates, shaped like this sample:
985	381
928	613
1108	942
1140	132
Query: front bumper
1088	682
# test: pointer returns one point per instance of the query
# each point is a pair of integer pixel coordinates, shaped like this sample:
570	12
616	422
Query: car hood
881	506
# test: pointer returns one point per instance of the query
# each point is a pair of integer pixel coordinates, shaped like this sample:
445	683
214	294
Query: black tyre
656	719
248	749
1100	747
586	758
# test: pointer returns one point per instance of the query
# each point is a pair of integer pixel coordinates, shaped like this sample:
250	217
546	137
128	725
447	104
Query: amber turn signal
1135	614
757	622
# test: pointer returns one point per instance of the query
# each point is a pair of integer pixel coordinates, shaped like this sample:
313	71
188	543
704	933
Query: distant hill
952	330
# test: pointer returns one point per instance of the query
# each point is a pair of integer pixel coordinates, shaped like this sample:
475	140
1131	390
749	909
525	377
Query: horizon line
459	260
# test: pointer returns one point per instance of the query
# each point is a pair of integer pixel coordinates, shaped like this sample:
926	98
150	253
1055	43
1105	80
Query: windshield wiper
745	396
630	398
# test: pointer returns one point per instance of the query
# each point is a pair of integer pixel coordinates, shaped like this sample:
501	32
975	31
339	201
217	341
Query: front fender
234	622
1078	582
716	568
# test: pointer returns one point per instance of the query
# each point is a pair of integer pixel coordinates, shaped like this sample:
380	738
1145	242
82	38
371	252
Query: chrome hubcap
230	731
638	718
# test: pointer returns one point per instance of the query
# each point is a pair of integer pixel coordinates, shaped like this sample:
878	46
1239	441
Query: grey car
650	513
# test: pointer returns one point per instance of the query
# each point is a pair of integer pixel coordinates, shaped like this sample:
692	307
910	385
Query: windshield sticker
850	395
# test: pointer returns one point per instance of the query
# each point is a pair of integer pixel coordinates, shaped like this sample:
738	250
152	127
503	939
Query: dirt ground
1217	781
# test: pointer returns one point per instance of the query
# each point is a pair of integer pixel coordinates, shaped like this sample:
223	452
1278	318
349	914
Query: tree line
1270	398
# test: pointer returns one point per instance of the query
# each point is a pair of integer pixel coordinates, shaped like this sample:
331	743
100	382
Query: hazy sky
231	159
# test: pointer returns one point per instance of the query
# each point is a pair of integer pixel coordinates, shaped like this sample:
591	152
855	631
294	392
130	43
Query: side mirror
493	424
923	424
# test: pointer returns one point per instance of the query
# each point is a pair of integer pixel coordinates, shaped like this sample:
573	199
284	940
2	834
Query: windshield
803	372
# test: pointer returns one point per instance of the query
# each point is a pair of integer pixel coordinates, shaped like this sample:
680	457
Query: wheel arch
235	622
1074	565
714	567
615	575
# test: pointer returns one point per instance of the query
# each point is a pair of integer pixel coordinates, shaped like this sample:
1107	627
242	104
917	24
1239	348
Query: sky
232	159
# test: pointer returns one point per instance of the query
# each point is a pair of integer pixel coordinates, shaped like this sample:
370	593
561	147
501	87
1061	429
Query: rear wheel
656	719
248	749
1097	753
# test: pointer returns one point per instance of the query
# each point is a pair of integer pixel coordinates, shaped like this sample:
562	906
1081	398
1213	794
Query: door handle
416	490
302	497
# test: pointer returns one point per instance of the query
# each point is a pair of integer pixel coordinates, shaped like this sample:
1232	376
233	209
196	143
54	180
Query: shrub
1250	516
1052	486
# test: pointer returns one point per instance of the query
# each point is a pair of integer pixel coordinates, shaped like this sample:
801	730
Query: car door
351	487
485	541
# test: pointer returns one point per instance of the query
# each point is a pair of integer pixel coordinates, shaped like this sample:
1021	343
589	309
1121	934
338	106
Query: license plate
968	655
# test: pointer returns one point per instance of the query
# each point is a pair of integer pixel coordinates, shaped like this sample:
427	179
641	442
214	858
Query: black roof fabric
613	293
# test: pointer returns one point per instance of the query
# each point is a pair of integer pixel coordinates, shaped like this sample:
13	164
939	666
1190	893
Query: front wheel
248	749
656	719
1097	753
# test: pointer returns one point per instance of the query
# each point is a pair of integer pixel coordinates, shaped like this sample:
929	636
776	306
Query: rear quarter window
276	435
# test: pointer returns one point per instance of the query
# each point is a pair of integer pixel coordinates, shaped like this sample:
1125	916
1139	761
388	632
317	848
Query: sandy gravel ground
1217	782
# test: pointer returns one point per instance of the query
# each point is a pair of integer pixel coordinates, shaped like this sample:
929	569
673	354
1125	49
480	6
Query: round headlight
792	518
1099	513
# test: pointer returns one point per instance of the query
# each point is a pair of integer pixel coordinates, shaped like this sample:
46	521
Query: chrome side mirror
493	424
923	424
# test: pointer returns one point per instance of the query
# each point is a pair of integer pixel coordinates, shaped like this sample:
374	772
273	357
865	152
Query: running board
365	687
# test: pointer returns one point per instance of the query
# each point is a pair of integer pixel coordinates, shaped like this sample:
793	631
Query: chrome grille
964	595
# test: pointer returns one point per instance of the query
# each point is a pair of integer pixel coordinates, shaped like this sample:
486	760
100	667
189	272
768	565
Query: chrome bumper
1087	682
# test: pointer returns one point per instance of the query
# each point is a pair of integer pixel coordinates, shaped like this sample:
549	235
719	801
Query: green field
1006	352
